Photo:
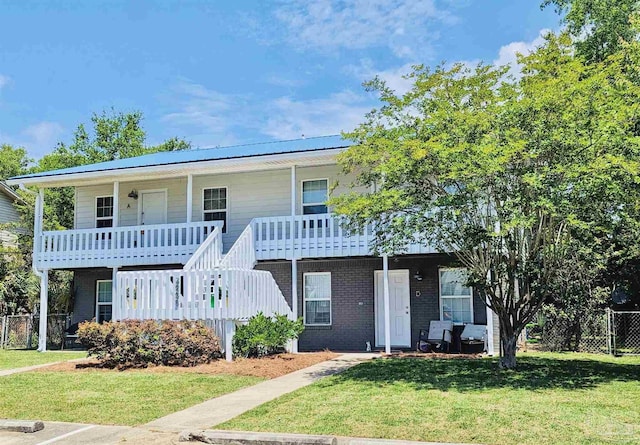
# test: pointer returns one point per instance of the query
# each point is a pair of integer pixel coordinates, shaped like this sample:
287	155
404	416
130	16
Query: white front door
400	308
153	208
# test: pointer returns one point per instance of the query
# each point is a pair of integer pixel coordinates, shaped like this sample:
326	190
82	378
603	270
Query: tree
13	161
501	172
600	26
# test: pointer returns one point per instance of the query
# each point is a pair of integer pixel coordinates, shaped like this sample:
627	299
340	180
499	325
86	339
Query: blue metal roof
209	154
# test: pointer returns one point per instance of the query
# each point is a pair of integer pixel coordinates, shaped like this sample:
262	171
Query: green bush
139	343
264	335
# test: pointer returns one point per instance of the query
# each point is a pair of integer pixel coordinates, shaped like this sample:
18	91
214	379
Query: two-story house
220	234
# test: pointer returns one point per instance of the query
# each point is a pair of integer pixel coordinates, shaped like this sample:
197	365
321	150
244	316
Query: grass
108	397
17	359
552	398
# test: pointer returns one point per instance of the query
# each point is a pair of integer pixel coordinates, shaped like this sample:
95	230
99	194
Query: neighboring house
219	234
8	214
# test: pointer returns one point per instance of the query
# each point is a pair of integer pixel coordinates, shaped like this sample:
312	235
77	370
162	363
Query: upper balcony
121	246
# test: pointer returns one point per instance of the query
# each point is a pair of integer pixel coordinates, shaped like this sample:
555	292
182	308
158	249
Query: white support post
490	348
116	203
387	305
229	332
44	309
115	303
294	192
189	198
37	228
294	299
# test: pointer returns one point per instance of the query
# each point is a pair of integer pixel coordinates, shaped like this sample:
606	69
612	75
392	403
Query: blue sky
219	73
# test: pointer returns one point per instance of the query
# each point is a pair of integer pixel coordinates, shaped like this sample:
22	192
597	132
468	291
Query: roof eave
251	162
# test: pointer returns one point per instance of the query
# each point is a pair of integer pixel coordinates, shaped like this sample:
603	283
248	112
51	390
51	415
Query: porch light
133	194
418	275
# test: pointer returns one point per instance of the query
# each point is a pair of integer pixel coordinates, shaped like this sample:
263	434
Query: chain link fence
625	332
21	331
604	332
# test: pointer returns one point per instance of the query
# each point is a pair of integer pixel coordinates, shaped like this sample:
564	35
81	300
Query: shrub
264	335
139	343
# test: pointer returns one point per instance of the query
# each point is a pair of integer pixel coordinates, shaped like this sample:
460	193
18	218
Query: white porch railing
233	294
121	246
208	254
313	236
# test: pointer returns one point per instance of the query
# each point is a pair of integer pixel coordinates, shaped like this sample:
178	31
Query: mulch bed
267	367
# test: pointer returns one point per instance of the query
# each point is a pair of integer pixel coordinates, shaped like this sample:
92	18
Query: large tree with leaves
501	172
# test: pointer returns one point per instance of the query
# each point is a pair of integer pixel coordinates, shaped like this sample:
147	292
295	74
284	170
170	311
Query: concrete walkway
216	411
11	371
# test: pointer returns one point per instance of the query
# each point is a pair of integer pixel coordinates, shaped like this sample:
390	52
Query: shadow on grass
533	373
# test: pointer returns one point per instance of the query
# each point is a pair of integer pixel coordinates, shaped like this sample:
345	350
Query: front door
153	208
400	308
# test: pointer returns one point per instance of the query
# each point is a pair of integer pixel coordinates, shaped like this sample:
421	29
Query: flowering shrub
139	343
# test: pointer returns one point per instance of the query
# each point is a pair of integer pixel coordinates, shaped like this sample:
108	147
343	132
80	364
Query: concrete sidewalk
216	411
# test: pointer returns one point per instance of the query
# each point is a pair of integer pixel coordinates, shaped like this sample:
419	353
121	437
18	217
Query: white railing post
44	310
189	197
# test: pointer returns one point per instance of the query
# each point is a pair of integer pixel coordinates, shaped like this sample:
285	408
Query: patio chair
473	339
437	339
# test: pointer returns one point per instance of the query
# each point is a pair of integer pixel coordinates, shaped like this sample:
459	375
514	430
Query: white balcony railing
121	246
234	294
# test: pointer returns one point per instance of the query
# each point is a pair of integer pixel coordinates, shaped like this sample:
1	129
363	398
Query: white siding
8	214
250	195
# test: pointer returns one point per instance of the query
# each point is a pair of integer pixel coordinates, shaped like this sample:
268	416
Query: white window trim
102	218
305	299
225	229
98	303
303	204
470	297
166	203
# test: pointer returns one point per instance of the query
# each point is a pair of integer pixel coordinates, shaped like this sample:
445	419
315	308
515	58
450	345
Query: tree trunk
508	357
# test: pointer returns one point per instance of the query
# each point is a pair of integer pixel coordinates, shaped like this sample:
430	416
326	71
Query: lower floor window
317	298
104	301
455	296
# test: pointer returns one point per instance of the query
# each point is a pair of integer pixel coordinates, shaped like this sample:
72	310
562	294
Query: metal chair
437	339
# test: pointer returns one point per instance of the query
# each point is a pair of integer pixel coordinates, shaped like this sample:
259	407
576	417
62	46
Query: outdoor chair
473	339
437	339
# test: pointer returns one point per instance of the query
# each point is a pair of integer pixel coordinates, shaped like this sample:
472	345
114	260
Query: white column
387	305
294	261
44	309
115	303
37	228
294	299
229	332
490	349
116	204
189	198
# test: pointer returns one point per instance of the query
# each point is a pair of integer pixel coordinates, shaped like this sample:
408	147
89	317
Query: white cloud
406	27
394	77
39	138
4	81
289	118
508	54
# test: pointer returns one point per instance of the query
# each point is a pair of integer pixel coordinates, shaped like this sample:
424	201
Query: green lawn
552	398
109	397
18	359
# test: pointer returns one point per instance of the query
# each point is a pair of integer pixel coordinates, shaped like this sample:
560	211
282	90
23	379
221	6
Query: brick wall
352	304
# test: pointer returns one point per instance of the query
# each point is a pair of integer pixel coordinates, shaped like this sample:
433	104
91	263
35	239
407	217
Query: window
317	299
104	211
455	296
215	205
314	196
104	301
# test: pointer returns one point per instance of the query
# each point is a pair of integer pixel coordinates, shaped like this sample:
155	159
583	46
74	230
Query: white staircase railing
208	254
233	294
207	288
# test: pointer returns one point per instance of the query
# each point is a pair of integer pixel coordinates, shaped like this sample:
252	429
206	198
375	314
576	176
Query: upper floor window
455	296
314	196
104	211
215	205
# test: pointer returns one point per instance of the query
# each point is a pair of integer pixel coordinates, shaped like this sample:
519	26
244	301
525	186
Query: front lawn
109	397
552	398
17	359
